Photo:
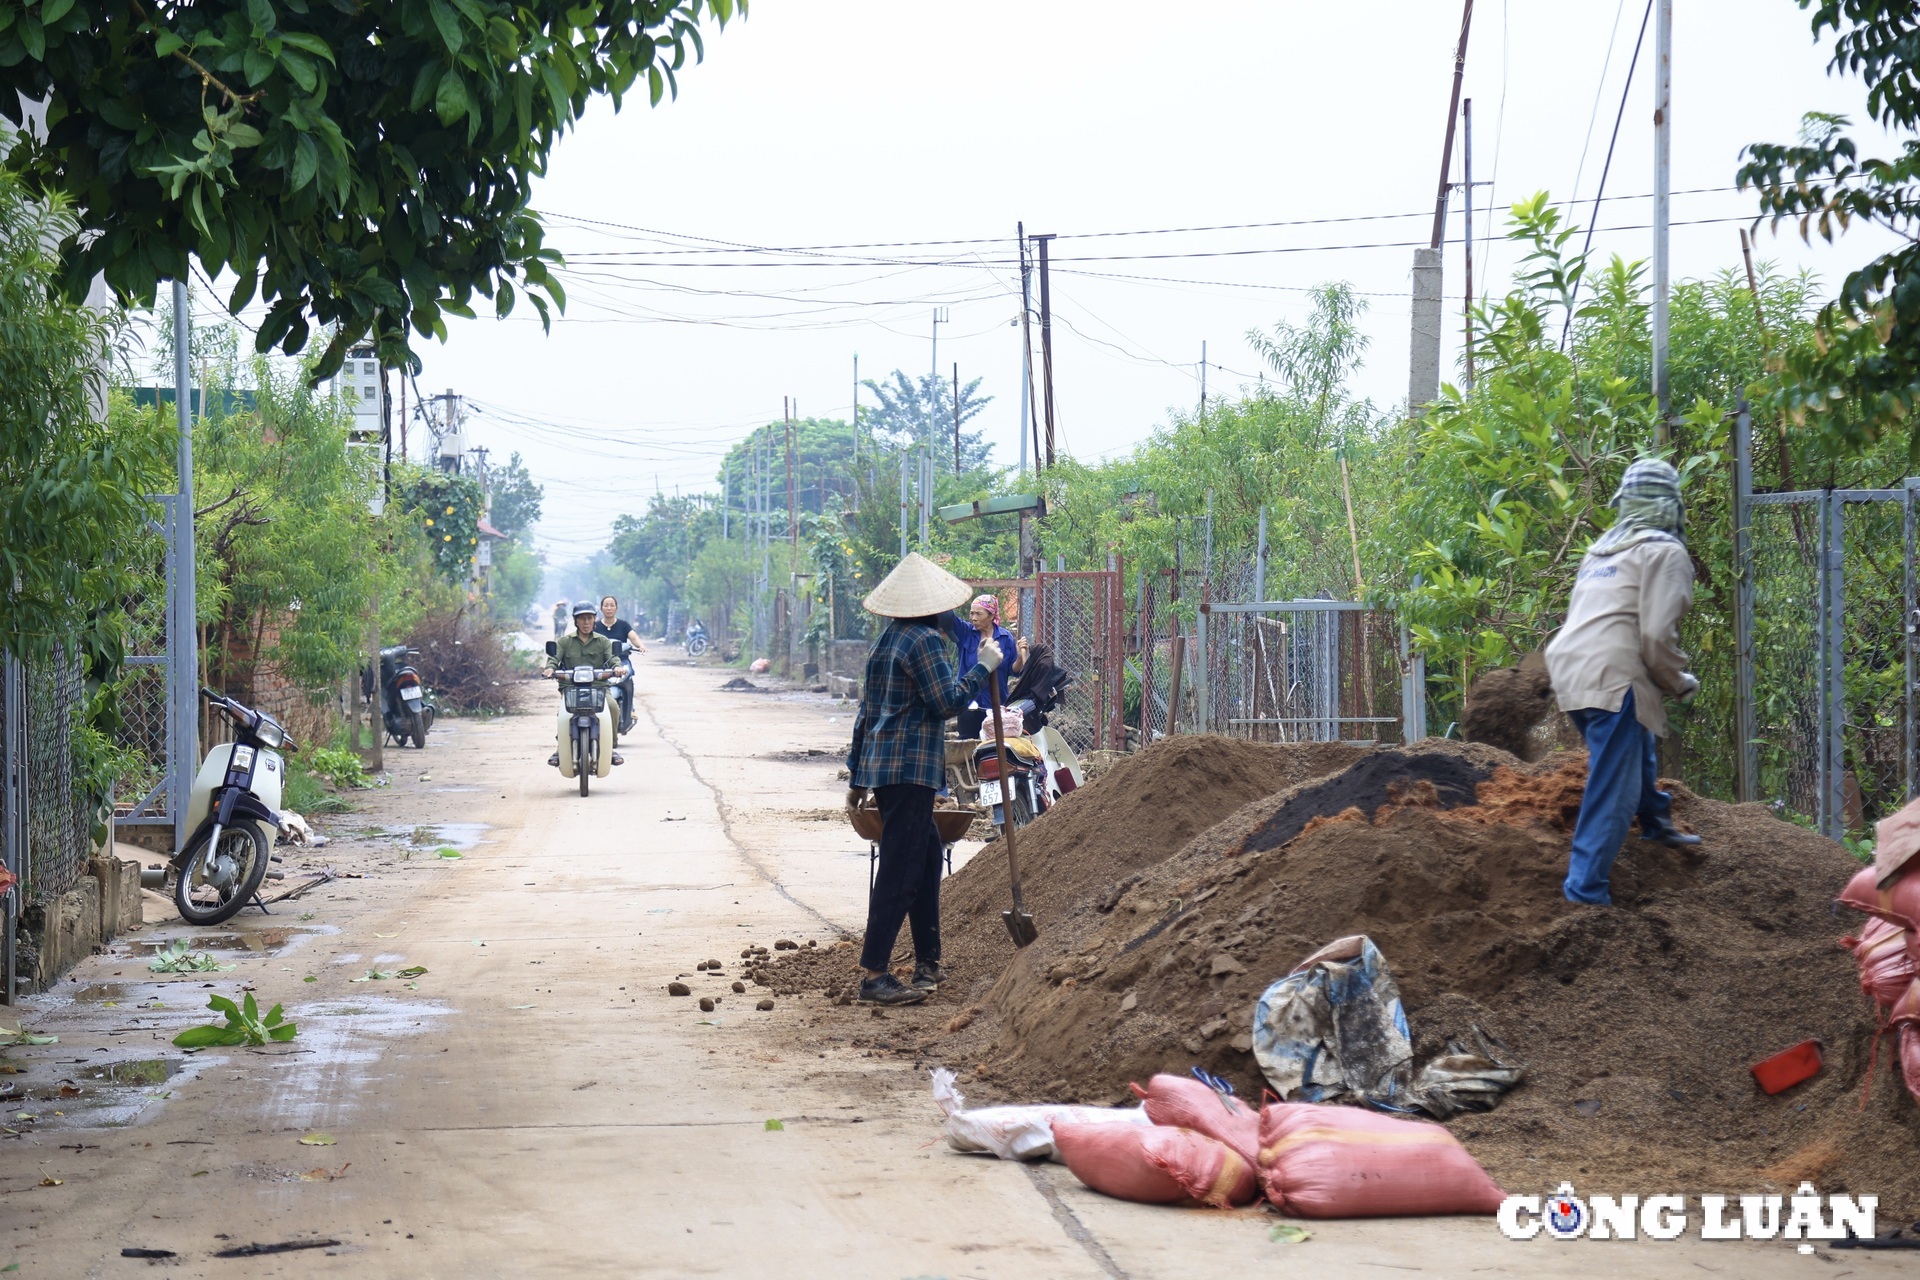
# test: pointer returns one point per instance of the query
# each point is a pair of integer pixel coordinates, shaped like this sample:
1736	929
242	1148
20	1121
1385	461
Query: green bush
339	766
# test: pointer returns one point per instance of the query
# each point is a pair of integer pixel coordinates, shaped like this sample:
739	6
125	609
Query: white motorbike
587	727
233	813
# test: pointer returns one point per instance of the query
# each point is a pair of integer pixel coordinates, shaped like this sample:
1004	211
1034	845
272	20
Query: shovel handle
1006	792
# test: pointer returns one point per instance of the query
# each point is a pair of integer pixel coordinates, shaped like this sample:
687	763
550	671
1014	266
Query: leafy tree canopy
1862	379
516	499
363	167
914	411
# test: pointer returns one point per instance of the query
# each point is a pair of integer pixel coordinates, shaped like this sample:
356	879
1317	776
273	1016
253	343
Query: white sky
868	121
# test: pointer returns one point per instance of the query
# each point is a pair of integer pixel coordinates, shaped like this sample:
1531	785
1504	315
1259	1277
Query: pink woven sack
1884	954
1185	1103
1341	1162
1150	1164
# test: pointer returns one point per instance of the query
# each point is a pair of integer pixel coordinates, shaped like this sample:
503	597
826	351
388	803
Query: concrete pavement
536	1105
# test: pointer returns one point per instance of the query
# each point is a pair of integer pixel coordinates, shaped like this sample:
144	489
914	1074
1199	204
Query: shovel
1019	923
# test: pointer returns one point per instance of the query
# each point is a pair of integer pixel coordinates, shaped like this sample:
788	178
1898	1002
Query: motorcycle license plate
411	693
990	793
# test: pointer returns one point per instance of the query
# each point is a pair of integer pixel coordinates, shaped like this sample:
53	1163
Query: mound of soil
1637	1022
1506	705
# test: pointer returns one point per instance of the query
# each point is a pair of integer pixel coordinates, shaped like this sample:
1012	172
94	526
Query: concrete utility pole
1662	212
956	417
1203	382
184	628
1466	186
1423	366
1028	413
1047	346
793	514
856	413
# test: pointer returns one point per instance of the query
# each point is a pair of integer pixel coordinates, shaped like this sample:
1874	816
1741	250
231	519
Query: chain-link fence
1874	657
1788	654
1306	671
43	814
1081	619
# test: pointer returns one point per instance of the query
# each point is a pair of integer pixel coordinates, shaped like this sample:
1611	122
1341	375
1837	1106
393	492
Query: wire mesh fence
1310	671
1080	617
1874	658
1788	640
43	814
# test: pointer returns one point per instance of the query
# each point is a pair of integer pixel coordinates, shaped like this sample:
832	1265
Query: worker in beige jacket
1614	661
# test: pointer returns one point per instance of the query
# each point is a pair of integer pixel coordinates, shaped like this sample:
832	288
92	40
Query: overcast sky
870	123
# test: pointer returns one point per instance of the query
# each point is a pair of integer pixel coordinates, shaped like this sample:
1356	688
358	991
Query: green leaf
448	23
413	971
256	66
51	11
655	86
261	13
242	135
305	157
301	68
312	44
283	1033
167	44
450	99
206	1037
774	1126
503	300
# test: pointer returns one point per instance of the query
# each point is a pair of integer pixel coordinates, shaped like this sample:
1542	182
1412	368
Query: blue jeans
1622	784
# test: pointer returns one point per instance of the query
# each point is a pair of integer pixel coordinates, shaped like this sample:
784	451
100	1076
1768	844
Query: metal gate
1299	671
1825	625
1082	618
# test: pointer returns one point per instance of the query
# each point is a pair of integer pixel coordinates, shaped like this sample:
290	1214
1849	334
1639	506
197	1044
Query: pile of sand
1637	1023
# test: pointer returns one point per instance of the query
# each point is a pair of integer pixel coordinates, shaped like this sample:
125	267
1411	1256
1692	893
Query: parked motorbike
233	812
405	708
1024	790
587	720
696	641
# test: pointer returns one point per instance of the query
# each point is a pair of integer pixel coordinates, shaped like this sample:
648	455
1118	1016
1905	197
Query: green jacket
594	651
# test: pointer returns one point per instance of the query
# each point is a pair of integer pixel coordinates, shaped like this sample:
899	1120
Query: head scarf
1649	506
989	603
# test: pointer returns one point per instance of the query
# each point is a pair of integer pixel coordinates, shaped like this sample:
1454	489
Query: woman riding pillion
583	648
899	755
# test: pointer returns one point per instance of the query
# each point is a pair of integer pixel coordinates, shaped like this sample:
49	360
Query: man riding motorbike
583	648
616	628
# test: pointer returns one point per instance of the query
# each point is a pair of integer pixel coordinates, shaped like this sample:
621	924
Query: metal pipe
1748	759
1466	187
183	753
1662	215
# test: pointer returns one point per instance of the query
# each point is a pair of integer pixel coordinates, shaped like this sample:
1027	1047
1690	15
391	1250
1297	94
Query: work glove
990	655
1689	685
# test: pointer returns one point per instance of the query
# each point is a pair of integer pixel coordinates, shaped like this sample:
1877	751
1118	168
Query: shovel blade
1020	927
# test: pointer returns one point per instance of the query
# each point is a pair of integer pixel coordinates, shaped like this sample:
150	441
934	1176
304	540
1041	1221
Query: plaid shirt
911	692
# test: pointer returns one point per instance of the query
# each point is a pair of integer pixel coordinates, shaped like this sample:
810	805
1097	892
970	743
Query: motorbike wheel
582	762
1022	802
696	646
201	902
417	729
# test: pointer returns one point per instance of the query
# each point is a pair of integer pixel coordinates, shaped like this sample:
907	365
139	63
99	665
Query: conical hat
917	587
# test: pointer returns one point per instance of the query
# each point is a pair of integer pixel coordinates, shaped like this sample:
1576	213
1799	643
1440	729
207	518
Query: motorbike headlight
270	733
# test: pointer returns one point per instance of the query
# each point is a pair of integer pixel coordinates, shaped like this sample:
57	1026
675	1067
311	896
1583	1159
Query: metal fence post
1746	786
1833	641
184	757
12	820
1910	624
1203	668
1260	560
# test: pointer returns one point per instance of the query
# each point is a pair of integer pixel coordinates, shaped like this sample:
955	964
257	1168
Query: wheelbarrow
952	824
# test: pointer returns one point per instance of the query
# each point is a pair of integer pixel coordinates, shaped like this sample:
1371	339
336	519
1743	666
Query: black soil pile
1505	706
1637	1022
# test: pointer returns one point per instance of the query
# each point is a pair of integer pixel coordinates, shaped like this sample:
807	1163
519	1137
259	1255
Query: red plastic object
1788	1067
1063	778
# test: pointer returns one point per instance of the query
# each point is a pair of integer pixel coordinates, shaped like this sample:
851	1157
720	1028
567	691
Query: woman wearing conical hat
899	755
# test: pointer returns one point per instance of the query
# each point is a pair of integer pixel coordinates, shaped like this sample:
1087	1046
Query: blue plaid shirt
911	692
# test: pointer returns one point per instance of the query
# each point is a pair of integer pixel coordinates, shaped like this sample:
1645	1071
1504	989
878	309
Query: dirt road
534	1104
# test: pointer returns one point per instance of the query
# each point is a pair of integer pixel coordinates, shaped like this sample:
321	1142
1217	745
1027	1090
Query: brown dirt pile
1505	706
1637	1023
